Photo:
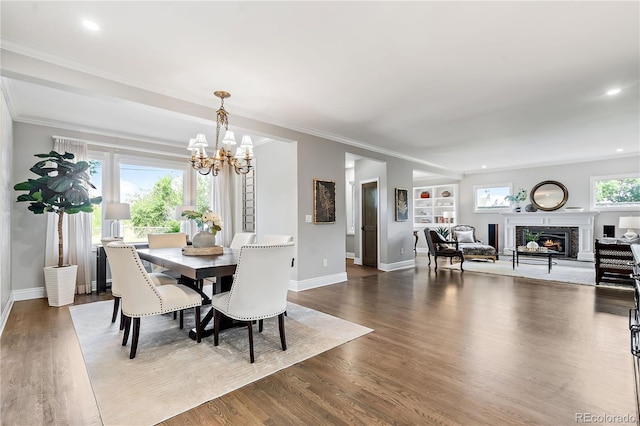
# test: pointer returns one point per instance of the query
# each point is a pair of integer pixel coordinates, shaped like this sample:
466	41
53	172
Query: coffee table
530	253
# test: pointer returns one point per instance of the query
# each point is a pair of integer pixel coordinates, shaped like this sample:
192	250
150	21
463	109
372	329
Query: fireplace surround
584	222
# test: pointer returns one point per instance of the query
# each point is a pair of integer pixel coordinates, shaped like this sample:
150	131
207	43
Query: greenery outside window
616	192
490	198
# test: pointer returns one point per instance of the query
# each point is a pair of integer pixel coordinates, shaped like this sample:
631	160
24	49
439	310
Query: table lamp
629	223
117	212
183	220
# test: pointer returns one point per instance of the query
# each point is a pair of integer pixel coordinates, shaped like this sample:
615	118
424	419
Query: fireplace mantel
585	222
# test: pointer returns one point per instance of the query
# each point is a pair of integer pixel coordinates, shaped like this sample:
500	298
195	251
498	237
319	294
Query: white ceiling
454	84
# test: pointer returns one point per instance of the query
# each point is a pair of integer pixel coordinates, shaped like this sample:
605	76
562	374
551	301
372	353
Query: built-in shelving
435	205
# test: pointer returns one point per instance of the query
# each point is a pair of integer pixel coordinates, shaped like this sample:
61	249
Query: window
619	192
95	171
153	193
490	198
249	201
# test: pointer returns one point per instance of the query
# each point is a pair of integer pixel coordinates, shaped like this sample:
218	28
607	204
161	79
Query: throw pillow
464	236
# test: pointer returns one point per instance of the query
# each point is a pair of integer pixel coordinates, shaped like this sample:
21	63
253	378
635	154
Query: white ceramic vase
532	245
60	284
204	239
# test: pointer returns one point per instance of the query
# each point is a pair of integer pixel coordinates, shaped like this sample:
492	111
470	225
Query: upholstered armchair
242	239
471	247
259	290
438	246
141	296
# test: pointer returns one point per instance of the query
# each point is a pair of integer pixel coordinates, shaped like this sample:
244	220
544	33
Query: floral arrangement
211	220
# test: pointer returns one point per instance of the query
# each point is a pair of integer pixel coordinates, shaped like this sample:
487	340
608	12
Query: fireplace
583	221
563	239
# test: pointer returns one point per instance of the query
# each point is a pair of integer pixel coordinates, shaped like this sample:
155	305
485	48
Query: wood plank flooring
448	349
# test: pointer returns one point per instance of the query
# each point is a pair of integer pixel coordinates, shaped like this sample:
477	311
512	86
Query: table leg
550	257
415	245
513	262
221	284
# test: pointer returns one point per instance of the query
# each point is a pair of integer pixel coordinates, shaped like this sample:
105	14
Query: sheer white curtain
76	228
222	204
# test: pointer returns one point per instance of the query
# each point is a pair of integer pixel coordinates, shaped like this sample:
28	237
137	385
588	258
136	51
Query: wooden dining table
194	270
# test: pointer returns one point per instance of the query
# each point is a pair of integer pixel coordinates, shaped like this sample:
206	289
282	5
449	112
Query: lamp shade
229	138
180	209
117	211
447	214
629	222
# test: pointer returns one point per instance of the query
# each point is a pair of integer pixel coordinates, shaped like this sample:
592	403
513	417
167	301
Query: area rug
172	373
583	274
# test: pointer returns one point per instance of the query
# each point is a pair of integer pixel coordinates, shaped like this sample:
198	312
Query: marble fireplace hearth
585	222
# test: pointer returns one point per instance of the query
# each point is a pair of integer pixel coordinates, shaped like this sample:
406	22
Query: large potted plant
60	188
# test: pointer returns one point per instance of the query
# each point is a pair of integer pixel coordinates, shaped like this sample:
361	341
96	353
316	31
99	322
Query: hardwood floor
448	348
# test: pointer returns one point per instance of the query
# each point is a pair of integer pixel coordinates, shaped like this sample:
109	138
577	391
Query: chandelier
240	162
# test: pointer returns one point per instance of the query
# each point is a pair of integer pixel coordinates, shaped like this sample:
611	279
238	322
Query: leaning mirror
549	195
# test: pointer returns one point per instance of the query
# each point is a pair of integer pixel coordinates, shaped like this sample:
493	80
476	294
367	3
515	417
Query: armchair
438	246
472	248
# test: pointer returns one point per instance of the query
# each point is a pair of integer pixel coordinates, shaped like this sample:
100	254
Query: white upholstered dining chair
141	296
277	239
259	289
242	239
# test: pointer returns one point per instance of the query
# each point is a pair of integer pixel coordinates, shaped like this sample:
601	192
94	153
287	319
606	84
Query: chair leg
175	315
283	340
134	340
435	261
461	262
216	326
260	323
181	318
429	257
127	327
121	320
250	327
116	308
198	328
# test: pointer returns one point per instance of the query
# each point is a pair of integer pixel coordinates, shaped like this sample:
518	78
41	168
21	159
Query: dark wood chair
438	246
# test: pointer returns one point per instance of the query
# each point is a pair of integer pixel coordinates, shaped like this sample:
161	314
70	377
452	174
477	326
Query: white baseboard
422	250
405	264
357	261
5	313
29	293
317	282
351	255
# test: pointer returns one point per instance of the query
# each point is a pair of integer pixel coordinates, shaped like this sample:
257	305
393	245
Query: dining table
194	270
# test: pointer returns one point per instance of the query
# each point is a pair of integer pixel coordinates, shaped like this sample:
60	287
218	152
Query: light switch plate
307	218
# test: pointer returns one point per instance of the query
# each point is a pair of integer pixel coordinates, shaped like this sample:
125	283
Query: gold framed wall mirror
549	195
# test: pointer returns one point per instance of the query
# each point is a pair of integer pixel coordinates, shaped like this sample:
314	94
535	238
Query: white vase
532	245
204	239
60	284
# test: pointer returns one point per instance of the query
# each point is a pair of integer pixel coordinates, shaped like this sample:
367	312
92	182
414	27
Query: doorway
370	224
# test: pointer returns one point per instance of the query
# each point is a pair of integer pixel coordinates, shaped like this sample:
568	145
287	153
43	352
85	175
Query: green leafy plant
61	188
531	237
520	196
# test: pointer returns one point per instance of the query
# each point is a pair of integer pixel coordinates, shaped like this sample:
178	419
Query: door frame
358	261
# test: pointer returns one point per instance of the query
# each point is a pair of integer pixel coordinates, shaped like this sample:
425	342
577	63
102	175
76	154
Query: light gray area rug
172	373
581	273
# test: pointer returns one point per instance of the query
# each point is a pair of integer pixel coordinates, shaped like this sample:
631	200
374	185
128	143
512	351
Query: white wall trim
405	264
422	250
29	293
5	313
317	282
351	255
357	261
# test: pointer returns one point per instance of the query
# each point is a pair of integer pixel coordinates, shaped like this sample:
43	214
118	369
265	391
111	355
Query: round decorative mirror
549	195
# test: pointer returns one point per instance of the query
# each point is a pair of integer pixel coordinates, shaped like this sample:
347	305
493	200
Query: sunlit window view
96	220
153	194
616	192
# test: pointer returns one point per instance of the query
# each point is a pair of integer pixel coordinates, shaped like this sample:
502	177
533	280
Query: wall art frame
324	201
402	205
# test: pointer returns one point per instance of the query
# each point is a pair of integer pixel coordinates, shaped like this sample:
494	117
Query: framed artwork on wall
402	205
324	201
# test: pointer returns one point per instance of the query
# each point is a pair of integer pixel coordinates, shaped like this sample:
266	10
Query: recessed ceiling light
484	166
613	91
90	25
619	150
